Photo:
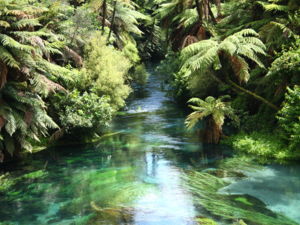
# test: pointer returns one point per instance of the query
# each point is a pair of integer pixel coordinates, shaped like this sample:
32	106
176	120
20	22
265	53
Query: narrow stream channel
135	176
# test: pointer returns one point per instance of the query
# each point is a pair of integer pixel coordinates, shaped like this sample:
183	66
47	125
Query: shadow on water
132	177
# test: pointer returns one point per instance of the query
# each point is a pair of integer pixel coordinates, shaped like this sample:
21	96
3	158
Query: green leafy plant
106	71
27	75
214	111
83	114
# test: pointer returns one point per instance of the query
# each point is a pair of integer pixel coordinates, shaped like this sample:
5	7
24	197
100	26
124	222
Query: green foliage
140	74
26	76
204	56
206	221
210	107
121	17
214	111
265	145
106	71
131	52
169	68
284	71
289	118
82	114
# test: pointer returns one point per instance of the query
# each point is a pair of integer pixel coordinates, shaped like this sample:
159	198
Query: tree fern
215	111
208	57
25	48
205	55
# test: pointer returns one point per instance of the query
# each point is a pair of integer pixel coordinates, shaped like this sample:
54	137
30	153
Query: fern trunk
112	21
212	132
211	14
263	100
199	11
103	15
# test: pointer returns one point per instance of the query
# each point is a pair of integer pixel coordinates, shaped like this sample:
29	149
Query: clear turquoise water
136	175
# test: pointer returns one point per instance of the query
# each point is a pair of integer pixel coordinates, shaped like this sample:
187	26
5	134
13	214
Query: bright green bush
140	74
83	113
105	71
263	145
131	52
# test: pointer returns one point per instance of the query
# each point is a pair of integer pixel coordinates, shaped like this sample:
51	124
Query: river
138	175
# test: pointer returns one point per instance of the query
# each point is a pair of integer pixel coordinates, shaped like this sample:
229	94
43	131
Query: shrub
105	71
83	113
140	74
131	52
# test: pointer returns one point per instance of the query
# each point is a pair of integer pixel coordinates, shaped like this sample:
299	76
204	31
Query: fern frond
11	125
247	32
8	58
4	24
273	7
20	24
10	42
240	68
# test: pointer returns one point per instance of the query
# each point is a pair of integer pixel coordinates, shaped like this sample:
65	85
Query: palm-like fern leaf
205	55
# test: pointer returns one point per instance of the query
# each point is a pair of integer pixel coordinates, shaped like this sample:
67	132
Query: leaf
4	24
10	126
9	144
10	42
8	58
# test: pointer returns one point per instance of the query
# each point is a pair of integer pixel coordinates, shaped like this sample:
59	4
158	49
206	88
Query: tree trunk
199	11
103	15
205	8
112	21
213	132
263	100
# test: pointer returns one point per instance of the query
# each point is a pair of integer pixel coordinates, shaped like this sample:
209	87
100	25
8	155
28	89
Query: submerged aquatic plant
5	183
205	187
34	175
104	189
